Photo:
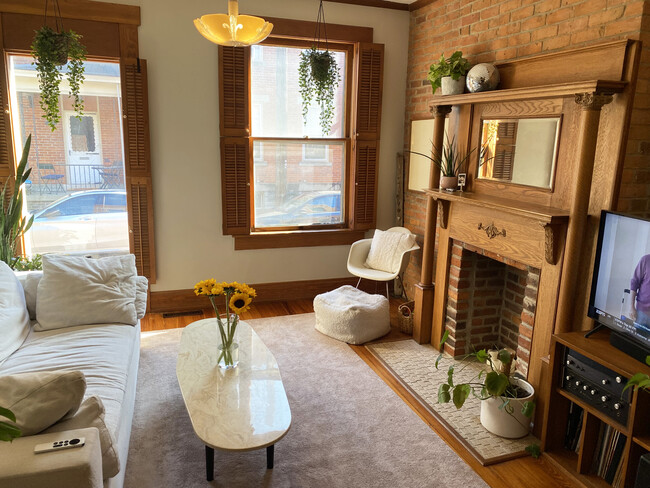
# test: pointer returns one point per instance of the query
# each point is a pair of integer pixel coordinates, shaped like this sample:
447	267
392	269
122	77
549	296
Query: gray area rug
349	429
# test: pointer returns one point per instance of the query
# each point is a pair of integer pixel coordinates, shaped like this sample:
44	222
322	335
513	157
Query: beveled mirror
521	151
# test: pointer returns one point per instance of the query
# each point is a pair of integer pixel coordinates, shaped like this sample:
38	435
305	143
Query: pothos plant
318	79
51	50
455	66
12	222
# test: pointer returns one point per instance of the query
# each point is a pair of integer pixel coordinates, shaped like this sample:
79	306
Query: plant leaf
445	336
504	356
482	355
450	376
636	381
461	392
443	393
528	408
496	383
5	412
533	450
438	360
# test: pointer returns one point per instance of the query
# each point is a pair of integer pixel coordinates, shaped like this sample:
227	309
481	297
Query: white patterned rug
414	365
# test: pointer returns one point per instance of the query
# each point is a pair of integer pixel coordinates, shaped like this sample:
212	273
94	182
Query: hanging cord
320	20
58	20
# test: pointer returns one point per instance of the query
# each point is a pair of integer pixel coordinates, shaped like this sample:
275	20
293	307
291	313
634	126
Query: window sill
298	238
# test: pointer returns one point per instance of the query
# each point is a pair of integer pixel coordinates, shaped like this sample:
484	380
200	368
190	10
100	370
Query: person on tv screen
640	294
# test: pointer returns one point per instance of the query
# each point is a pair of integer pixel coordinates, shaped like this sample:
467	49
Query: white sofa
107	354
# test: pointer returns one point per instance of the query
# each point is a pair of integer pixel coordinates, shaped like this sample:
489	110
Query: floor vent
168	315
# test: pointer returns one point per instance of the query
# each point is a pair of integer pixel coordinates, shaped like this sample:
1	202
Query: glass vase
228	355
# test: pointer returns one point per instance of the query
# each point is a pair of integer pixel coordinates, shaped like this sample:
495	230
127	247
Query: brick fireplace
491	302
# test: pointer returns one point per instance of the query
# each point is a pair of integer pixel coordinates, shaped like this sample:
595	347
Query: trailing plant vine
318	77
51	50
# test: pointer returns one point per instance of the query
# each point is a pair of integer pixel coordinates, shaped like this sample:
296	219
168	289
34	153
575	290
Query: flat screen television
620	288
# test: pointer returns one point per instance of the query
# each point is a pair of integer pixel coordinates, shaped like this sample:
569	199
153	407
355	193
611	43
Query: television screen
620	291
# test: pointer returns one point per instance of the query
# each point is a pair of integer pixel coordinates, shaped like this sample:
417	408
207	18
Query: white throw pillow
14	319
30	280
386	250
142	286
76	290
91	414
39	399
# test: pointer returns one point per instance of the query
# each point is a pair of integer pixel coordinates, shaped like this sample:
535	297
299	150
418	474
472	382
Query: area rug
414	365
349	429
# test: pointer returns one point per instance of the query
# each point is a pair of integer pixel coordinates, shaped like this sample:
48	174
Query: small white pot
449	86
500	422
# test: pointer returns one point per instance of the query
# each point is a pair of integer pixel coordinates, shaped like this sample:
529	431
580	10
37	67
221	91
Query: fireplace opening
491	303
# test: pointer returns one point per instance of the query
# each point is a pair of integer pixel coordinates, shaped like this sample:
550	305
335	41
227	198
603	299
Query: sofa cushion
30	280
91	414
141	288
14	319
76	290
39	399
103	352
386	250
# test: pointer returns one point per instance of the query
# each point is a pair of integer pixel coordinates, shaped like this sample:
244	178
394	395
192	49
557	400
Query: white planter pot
449	86
500	422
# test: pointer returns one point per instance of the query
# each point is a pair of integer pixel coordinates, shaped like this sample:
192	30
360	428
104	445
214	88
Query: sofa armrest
79	467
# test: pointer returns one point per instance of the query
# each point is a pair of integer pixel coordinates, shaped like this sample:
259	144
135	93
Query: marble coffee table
239	409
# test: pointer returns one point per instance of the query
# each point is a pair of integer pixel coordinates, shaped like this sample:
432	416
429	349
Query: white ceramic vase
510	425
449	86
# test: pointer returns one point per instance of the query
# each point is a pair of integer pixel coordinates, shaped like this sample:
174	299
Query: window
275	168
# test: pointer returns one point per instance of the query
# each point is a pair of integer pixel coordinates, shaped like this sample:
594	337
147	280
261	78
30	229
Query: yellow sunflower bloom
217	290
239	302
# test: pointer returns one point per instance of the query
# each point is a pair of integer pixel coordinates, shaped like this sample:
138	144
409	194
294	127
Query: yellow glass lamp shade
233	29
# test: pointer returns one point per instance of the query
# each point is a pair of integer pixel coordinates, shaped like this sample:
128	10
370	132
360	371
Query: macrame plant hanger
320	20
58	19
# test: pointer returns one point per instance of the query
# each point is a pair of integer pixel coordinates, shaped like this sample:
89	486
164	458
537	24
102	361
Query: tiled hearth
491	302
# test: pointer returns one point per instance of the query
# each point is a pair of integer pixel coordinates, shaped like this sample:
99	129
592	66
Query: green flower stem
226	332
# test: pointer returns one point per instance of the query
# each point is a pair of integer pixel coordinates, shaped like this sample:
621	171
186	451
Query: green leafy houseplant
639	380
494	383
454	66
34	263
318	78
8	432
51	50
449	159
12	223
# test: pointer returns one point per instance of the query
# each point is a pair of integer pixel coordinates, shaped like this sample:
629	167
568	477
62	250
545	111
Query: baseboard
172	301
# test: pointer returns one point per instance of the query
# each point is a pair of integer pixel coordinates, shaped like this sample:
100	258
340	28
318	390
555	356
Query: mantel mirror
521	151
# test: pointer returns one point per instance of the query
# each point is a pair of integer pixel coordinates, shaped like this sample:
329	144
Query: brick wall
506	30
491	303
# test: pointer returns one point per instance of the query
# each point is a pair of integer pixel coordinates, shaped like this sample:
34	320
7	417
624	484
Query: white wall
184	124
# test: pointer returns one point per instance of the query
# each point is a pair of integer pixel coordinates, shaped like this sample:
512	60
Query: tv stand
594	330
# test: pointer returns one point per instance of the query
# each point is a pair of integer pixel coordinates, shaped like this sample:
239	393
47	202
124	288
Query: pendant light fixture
233	29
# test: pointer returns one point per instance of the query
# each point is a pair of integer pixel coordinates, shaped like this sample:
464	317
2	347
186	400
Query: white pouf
351	315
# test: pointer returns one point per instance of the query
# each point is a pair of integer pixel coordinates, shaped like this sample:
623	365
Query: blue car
322	207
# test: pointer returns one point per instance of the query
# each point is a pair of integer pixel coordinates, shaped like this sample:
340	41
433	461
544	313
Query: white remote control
59	445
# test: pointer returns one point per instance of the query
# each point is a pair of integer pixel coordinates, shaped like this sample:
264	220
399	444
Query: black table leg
269	456
209	463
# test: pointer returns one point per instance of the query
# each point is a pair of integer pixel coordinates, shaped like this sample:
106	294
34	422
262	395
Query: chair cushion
386	250
76	290
39	399
14	319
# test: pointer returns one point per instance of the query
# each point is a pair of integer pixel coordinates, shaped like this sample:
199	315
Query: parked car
321	207
82	221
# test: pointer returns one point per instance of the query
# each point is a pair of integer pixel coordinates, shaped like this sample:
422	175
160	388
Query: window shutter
6	141
137	166
234	116
365	154
235	188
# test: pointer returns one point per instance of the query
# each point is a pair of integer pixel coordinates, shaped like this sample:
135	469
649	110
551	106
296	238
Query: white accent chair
359	253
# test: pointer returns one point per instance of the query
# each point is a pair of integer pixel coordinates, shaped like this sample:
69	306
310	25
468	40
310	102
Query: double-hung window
282	175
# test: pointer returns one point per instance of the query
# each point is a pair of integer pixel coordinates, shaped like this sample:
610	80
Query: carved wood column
591	104
424	289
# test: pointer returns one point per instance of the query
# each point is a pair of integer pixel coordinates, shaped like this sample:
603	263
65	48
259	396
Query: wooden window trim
362	137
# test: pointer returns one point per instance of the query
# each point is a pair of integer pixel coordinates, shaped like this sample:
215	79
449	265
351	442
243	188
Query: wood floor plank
523	472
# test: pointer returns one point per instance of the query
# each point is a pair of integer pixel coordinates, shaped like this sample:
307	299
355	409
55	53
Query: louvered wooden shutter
137	166
234	116
365	158
505	150
7	168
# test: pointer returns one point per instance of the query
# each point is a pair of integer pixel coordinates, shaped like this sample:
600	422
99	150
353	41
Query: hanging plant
319	77
51	50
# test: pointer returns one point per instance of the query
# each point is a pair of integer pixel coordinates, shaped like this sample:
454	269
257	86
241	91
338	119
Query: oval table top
237	409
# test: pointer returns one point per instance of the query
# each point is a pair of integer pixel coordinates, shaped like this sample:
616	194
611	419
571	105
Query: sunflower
239	302
204	287
217	290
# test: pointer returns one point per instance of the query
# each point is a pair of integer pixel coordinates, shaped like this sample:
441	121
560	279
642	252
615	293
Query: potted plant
12	223
318	79
449	74
507	400
51	50
449	160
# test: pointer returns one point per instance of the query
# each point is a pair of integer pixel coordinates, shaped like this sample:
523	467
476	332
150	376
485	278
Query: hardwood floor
524	472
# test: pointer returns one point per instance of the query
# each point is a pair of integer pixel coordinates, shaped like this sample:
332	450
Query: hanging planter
52	49
319	77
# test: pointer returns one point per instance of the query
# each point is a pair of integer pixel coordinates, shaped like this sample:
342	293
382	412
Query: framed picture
462	180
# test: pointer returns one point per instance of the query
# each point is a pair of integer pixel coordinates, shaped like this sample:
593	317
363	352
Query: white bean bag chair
351	315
